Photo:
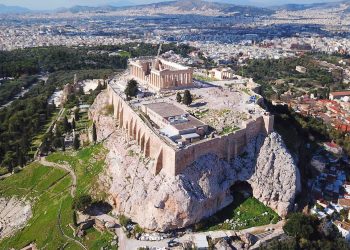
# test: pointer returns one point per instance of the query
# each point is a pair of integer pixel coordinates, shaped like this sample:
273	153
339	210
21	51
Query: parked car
173	243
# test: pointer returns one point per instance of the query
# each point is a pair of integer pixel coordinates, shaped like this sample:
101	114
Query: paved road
5	176
43	77
131	244
65	167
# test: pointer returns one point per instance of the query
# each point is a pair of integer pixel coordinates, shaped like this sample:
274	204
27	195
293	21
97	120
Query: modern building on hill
339	95
175	123
300	69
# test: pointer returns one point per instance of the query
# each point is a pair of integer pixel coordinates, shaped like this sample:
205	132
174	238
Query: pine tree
45	146
73	123
178	97
21	159
131	88
76	142
63	144
76	114
187	98
94	133
66	125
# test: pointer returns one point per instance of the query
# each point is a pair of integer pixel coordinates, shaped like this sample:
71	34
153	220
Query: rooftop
343	224
340	93
165	109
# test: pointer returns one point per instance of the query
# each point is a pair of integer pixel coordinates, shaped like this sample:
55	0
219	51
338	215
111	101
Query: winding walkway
65	167
62	232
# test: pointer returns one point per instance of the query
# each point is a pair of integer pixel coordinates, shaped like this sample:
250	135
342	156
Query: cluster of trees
307	126
32	61
82	202
185	99
10	88
265	72
53	141
25	118
20	122
50	59
307	232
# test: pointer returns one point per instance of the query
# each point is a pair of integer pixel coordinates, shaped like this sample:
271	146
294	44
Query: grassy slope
244	212
87	164
48	189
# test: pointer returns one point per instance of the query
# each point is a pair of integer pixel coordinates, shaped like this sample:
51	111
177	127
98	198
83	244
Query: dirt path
62	232
65	167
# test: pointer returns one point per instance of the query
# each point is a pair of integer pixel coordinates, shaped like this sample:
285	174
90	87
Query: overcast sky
52	4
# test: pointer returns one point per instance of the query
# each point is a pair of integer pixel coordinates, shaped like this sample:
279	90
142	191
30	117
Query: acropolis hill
171	165
221	121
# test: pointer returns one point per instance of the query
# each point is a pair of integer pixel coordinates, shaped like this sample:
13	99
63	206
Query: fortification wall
225	147
173	161
136	128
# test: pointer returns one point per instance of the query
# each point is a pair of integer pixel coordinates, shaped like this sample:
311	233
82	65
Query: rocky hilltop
14	214
161	202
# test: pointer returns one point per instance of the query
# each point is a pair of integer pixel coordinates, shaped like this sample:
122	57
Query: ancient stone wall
225	147
173	161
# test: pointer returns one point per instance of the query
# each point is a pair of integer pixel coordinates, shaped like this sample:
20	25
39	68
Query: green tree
63	144
300	225
123	220
45	146
76	142
131	89
73	123
94	133
178	97
66	124
21	158
77	114
187	98
57	142
82	202
9	160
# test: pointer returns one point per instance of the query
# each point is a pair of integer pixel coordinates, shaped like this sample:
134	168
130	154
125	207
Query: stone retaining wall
173	161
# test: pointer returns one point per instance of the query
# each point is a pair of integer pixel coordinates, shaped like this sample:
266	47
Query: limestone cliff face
161	202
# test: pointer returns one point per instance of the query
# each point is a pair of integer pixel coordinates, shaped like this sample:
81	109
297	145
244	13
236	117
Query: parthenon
160	74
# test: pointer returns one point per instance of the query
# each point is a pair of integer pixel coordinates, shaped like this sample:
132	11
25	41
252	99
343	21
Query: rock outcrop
14	214
161	202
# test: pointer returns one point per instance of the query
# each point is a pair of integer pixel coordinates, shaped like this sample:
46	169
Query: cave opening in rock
241	188
231	216
243	212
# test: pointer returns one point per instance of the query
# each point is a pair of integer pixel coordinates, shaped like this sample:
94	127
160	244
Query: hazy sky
52	4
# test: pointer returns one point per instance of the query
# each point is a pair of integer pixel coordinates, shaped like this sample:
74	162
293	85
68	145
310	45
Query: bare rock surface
161	202
14	214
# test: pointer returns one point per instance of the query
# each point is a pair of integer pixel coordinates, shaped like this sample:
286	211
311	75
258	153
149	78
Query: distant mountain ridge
5	9
180	5
296	7
221	6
